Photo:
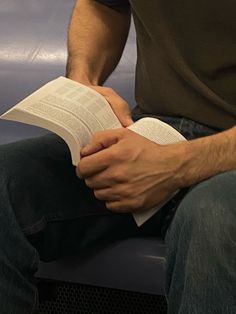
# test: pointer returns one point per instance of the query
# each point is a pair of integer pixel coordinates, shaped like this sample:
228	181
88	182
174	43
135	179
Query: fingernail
84	150
78	174
129	122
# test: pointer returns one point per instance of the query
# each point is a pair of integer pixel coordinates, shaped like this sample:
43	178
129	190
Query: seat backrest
33	51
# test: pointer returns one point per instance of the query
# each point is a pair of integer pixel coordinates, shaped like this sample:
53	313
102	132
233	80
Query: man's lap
43	182
53	207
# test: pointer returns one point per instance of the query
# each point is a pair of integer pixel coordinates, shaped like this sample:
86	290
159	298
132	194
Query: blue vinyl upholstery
32	52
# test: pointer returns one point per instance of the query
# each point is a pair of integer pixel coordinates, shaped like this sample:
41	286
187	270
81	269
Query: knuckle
112	155
124	132
122	103
124	158
119	175
127	192
108	90
97	135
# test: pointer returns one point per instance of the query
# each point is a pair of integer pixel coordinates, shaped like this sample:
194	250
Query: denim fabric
201	250
46	212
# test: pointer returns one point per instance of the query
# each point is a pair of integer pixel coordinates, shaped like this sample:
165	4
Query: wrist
183	157
81	73
175	162
208	156
193	163
82	78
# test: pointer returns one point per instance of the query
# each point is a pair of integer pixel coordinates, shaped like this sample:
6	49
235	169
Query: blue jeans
46	212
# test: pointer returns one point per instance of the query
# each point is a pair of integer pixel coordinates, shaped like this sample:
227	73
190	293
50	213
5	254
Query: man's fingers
123	206
101	140
93	164
123	114
117	206
98	155
91	148
99	181
117	103
106	195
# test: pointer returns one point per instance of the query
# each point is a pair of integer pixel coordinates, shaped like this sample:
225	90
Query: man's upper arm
114	3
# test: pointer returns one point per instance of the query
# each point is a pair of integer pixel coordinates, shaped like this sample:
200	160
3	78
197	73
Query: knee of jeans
16	183
11	174
3	162
209	209
10	163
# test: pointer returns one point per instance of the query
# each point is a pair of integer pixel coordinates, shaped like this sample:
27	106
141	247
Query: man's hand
117	103
128	171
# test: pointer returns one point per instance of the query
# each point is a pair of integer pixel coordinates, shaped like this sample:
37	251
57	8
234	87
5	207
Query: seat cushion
135	264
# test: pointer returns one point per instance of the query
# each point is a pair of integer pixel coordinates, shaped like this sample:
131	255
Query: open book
75	112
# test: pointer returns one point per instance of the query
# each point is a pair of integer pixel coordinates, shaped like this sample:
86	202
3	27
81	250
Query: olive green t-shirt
186	64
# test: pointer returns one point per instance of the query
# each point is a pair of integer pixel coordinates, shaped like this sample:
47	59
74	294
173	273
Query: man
186	75
185	68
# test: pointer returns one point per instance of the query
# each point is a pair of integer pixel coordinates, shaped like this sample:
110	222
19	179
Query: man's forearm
97	35
208	156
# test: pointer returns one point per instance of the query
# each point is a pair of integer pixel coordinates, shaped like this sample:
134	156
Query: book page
156	131
69	109
160	133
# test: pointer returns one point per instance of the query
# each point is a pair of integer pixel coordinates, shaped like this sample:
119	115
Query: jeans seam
33	266
181	125
35	303
39	225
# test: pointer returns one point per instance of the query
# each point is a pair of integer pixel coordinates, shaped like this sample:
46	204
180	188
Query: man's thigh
211	205
54	208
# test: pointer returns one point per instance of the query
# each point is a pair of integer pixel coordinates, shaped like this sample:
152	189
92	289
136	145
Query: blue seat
32	52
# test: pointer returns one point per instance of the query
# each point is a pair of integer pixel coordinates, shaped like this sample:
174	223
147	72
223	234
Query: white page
156	131
160	133
69	109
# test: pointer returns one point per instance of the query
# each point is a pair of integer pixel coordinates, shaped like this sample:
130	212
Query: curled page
71	110
160	133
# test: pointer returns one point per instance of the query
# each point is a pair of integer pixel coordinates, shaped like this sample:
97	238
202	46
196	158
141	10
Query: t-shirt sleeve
114	3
